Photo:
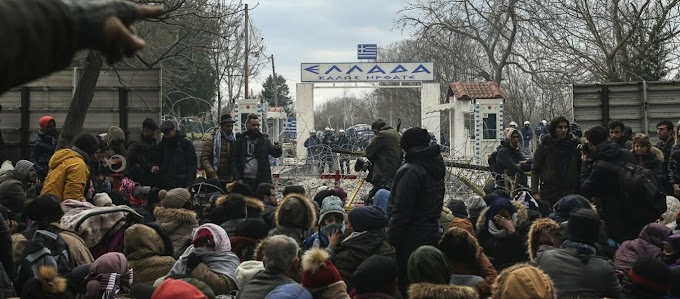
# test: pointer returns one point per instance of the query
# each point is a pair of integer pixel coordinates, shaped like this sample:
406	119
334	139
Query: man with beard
140	154
175	159
216	153
44	145
557	163
250	156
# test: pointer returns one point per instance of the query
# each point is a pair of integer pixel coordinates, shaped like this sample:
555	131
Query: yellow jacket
67	176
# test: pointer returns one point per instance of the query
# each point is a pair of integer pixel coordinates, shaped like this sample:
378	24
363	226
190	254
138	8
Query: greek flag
367	51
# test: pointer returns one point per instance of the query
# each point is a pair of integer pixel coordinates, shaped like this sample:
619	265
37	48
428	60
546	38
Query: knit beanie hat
115	134
375	274
252	228
428	264
175	288
47	284
22	167
584	226
458	208
364	218
175	199
475	205
331	204
289	291
651	275
102	200
318	270
414	137
246	271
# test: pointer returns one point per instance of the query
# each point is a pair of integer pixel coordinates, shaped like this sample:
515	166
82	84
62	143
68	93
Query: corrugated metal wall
52	96
597	104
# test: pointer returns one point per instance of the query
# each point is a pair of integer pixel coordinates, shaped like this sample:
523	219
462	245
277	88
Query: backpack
644	198
493	165
43	248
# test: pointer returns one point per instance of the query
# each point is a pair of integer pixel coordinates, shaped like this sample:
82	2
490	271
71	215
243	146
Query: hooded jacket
144	249
543	226
139	157
507	158
574	278
385	154
508	251
178	224
42	149
263	149
556	167
13	191
649	243
416	200
76	246
68	175
176	159
481	266
523	281
652	160
223	171
295	217
597	181
439	291
351	252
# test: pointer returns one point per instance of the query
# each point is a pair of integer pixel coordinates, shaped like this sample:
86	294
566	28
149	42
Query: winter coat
666	148
350	253
505	252
139	159
223	171
672	210
523	281
6	261
673	171
527	135
507	159
439	291
445	218
219	283
69	173
385	153
652	160
336	290
261	284
573	277
481	267
179	225
648	244
243	247
176	160
597	181
268	215
542	226
144	249
556	168
343	143
295	217
416	200
312	145
78	251
263	149
42	149
13	192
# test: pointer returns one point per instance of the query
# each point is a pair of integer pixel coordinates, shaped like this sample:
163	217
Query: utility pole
245	65
275	83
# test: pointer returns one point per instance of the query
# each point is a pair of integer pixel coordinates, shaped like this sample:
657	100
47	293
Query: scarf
501	233
584	251
221	262
111	283
217	146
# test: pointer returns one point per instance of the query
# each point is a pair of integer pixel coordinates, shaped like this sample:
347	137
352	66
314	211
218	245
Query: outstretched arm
40	37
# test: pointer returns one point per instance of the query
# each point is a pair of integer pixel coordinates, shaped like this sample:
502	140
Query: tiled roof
475	90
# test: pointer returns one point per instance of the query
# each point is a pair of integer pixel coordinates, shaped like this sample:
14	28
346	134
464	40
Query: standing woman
648	156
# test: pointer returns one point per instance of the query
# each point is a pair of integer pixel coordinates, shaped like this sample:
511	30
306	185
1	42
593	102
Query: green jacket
385	153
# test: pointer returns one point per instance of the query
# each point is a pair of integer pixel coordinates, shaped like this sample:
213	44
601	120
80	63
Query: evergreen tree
282	92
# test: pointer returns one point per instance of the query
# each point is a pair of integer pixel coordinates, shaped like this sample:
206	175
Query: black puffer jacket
42	150
507	159
385	154
176	158
351	252
139	158
673	171
417	197
652	160
596	181
556	168
263	148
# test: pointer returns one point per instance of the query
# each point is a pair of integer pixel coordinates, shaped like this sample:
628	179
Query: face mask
328	229
52	132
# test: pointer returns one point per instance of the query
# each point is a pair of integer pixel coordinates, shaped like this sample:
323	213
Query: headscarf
221	260
498	205
43	121
508	135
428	265
109	274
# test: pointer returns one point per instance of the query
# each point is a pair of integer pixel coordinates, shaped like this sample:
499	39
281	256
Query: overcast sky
308	31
